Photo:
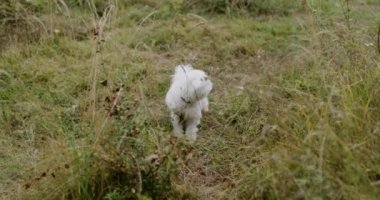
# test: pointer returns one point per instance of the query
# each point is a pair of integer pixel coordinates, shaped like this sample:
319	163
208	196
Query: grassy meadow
294	113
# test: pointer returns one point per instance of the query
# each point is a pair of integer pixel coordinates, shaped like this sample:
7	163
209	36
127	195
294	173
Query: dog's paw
178	132
191	137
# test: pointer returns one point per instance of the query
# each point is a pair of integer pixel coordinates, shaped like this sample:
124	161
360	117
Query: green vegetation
295	110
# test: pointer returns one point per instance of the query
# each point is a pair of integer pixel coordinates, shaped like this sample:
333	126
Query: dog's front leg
192	129
177	125
204	105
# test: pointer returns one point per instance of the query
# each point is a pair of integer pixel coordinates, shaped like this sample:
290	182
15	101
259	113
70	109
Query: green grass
294	110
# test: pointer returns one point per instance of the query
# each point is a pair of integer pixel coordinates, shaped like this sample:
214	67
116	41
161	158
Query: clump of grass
324	119
253	7
18	23
114	152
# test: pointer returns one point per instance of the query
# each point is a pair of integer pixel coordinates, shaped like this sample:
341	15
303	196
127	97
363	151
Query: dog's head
200	82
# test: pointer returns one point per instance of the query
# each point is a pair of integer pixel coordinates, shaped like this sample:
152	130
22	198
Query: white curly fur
187	99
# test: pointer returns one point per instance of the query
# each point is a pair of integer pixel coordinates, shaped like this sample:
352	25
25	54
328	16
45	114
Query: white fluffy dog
187	99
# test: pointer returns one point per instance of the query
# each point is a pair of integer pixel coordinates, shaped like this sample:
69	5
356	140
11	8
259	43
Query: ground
294	113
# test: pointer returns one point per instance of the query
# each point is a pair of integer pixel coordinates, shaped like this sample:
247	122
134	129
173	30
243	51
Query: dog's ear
189	67
183	69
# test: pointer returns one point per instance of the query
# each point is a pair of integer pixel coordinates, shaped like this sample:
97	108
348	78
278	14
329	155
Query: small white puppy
187	99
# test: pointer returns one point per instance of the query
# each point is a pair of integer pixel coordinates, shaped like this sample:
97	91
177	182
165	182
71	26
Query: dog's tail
183	69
